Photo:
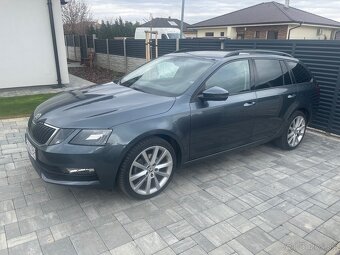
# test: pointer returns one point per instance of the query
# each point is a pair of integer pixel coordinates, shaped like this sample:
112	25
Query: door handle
249	104
291	96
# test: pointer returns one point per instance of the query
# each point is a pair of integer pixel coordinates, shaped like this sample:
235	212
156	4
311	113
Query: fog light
80	170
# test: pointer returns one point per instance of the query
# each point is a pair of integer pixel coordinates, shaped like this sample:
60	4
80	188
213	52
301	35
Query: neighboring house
337	35
32	44
269	20
169	23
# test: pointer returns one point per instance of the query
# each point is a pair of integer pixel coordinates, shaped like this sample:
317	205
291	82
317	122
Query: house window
319	31
222	33
209	33
337	35
257	34
272	35
240	36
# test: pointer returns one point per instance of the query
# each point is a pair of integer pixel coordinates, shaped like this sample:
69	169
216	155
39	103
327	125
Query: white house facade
269	20
32	44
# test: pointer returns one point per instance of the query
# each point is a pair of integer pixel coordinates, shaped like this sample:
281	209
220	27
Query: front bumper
51	163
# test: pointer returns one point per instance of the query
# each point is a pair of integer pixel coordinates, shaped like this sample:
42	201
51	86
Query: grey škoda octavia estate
173	110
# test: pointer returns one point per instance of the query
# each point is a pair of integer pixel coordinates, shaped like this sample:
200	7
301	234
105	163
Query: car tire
147	168
293	132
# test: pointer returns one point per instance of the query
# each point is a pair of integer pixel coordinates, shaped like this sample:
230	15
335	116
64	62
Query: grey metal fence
116	47
100	46
135	48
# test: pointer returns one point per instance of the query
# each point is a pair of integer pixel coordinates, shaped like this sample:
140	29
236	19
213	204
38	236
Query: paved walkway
75	83
258	201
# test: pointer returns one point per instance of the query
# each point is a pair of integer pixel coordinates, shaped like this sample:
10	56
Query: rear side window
286	74
269	73
300	73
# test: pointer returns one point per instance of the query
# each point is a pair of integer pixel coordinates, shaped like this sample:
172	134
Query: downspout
54	40
300	24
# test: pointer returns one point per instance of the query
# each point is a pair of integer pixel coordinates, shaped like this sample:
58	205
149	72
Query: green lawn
20	106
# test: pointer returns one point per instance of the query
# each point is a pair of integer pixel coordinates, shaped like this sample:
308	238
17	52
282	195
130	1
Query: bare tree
77	17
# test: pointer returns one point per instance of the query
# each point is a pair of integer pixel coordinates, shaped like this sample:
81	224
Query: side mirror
214	94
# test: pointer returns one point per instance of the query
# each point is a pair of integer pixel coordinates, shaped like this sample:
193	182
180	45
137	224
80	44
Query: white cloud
196	10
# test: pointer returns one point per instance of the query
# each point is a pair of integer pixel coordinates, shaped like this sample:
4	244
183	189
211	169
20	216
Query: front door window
233	77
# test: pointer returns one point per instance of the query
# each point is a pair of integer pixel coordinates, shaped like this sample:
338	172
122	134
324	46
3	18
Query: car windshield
173	35
167	76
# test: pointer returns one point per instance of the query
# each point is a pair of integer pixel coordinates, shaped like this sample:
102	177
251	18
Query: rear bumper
52	161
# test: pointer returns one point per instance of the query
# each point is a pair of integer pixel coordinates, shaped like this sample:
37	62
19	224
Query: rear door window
300	73
269	73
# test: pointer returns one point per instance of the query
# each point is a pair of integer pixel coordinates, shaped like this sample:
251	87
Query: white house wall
232	34
217	31
310	33
303	32
27	57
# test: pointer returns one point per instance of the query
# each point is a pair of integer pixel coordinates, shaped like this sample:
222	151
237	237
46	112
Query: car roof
237	53
206	54
202	54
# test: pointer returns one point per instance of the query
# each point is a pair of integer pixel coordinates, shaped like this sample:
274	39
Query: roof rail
182	50
239	52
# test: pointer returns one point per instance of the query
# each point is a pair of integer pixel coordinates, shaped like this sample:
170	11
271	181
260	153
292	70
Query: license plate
31	149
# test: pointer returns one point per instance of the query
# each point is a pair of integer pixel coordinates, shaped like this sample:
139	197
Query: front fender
125	136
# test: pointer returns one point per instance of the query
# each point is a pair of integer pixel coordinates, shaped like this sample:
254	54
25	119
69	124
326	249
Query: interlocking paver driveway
259	201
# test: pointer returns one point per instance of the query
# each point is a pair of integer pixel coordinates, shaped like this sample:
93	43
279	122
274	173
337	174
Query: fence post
86	47
66	44
125	55
79	40
222	44
74	48
108	53
156	45
177	44
94	42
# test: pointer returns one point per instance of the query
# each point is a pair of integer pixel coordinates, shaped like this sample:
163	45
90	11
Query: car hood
101	106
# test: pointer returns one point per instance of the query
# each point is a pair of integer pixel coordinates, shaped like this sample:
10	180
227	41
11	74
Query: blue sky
197	10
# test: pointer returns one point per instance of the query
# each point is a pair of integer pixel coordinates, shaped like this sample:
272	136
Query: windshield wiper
116	81
130	82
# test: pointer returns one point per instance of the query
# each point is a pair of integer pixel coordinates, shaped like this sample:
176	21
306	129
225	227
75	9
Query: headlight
61	135
91	137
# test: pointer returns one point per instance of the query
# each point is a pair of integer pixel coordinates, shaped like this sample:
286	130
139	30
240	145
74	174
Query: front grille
40	132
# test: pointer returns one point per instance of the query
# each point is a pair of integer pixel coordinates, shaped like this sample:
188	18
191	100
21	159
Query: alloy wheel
150	170
296	131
